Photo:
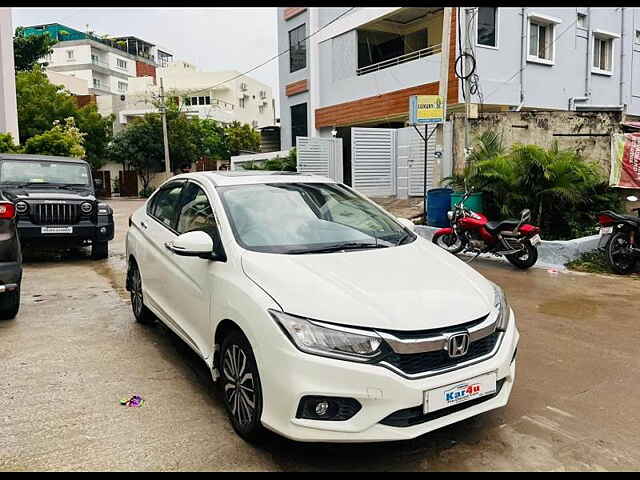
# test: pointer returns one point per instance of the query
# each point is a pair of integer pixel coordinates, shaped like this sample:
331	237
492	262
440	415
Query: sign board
425	109
625	160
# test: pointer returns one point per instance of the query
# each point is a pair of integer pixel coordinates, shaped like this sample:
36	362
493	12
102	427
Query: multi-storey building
357	66
107	64
8	107
225	96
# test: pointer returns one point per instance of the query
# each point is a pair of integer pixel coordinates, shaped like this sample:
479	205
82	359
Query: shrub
563	192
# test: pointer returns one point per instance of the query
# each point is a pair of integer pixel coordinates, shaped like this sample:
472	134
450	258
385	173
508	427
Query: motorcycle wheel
526	258
622	261
450	242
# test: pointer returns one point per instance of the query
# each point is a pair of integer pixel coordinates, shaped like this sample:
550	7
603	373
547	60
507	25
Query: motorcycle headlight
450	214
319	338
501	304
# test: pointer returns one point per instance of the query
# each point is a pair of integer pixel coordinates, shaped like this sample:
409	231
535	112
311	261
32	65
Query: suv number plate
56	230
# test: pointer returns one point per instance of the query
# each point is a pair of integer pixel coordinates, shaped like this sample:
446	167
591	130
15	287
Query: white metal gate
320	156
373	161
413	145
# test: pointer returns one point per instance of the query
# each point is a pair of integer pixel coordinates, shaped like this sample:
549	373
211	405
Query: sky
221	38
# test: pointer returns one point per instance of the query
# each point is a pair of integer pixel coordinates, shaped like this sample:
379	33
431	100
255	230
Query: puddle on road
113	269
574	308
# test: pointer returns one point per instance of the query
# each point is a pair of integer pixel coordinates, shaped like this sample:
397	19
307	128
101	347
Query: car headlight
501	304
86	207
22	207
320	338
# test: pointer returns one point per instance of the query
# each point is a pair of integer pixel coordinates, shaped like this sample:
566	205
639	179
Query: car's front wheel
240	385
142	313
9	304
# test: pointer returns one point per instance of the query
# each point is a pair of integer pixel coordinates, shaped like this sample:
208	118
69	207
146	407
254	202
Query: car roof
41	158
249	177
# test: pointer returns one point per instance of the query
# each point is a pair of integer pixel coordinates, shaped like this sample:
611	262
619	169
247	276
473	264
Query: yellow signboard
426	109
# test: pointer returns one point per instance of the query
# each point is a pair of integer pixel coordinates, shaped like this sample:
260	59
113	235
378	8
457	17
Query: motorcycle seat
622	217
500	225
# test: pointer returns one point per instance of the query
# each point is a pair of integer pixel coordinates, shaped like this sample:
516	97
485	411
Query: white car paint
411	287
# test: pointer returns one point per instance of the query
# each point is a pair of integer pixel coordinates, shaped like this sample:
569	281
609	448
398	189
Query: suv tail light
7	210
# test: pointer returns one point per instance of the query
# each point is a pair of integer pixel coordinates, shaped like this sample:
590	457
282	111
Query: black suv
10	261
55	203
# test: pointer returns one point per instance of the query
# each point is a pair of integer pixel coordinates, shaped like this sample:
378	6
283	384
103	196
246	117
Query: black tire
526	258
450	242
99	250
9	304
140	311
621	262
239	373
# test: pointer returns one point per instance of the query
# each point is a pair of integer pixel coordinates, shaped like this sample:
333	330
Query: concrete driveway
75	350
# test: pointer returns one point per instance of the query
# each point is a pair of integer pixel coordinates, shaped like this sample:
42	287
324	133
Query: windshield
33	172
307	218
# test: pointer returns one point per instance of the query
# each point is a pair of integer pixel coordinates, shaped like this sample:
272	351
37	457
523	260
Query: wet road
74	351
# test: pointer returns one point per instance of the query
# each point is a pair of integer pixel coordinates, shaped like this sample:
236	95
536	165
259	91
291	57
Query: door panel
373	163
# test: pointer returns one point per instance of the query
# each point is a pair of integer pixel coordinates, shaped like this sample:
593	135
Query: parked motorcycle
620	235
471	232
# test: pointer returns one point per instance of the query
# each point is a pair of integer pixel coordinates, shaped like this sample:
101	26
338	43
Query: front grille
54	213
408	417
413	363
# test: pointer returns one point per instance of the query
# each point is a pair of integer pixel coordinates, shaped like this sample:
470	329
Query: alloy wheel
136	293
239	386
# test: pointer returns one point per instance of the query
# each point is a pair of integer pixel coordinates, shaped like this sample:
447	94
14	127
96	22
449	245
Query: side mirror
405	222
525	215
632	198
192	244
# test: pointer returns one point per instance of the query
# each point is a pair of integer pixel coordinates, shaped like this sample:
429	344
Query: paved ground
74	351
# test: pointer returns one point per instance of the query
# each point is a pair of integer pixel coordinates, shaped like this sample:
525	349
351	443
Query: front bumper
85	230
289	375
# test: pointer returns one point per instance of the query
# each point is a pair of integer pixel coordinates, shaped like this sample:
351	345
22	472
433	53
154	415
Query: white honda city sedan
321	316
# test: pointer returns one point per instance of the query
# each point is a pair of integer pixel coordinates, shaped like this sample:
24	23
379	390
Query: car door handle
143	225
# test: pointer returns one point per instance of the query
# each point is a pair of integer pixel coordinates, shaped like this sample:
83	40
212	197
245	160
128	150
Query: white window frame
70	55
97	83
586	16
548	21
497	32
603	35
124	62
122	90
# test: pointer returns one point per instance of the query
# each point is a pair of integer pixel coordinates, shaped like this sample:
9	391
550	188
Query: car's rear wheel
142	313
99	250
9	304
240	385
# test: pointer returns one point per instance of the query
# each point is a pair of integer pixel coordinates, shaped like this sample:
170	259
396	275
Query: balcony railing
100	63
408	57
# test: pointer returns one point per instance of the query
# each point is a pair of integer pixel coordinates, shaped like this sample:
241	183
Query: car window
195	210
165	204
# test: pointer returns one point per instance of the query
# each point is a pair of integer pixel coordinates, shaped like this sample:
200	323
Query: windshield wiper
338	247
404	236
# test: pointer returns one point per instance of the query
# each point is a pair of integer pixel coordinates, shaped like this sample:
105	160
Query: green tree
210	138
7	145
65	140
139	147
99	130
28	50
40	103
241	137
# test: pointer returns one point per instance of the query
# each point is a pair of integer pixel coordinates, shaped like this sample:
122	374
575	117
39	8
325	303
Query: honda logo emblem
458	344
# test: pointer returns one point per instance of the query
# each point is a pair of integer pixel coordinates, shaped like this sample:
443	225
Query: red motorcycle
471	232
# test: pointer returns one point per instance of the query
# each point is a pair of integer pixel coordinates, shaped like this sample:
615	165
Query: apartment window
121	63
602	54
487	26
122	87
637	36
96	83
541	35
298	122
261	108
70	55
187	101
297	49
242	102
582	20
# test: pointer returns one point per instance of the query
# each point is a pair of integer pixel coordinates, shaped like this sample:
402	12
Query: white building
203	94
8	105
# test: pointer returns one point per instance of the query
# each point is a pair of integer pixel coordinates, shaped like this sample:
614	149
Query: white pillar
8	105
314	73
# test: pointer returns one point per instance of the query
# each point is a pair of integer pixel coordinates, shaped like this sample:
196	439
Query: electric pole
467	82
165	138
